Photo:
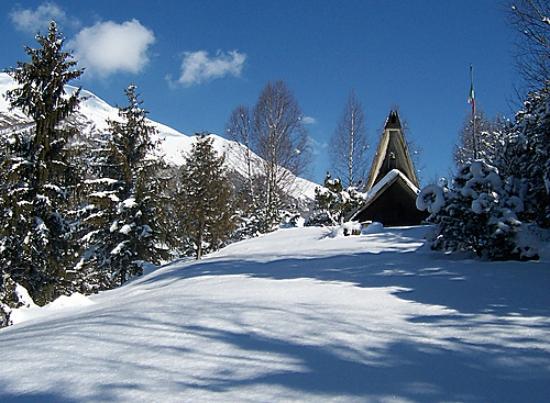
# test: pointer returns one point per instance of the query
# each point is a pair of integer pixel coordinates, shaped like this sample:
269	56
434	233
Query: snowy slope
93	115
297	316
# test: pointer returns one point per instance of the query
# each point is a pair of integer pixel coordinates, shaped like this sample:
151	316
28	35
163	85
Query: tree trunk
199	241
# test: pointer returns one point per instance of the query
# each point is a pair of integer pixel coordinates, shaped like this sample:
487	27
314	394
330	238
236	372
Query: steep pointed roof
391	178
392	153
392	121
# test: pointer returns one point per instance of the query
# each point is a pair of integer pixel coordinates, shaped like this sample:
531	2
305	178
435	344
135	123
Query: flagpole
472	100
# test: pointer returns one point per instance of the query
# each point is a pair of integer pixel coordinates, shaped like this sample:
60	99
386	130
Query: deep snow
296	315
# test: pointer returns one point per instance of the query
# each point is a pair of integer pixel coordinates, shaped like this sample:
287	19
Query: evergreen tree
477	213
487	209
333	203
205	212
125	221
249	222
102	192
34	229
525	154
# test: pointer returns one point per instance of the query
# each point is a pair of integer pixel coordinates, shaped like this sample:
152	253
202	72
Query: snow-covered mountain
94	112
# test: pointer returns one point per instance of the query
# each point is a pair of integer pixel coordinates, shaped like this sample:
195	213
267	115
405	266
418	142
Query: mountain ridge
92	117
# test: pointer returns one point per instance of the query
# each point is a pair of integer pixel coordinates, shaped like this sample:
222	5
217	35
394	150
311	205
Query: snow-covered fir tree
124	221
248	223
478	212
525	154
333	203
36	247
205	198
488	208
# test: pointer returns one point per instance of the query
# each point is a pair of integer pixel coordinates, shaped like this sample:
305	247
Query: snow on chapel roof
387	180
381	186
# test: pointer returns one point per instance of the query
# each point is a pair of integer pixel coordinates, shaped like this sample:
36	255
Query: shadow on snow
468	371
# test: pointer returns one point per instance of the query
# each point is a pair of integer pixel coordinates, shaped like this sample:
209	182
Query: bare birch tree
273	130
239	128
488	132
281	140
348	146
531	18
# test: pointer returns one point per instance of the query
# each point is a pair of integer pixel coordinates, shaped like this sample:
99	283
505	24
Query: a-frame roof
389	179
392	153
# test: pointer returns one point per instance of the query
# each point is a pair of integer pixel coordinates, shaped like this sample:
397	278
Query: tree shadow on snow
427	374
413	371
37	397
466	286
473	370
410	371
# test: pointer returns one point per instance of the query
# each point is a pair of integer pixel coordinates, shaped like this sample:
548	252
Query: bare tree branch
531	18
348	146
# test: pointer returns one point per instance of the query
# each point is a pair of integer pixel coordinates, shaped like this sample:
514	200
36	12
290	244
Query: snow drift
297	316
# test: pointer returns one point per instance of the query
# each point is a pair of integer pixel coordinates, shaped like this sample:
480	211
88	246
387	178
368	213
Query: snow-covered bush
333	203
5	312
12	296
492	210
247	225
351	228
478	213
346	229
291	219
7	299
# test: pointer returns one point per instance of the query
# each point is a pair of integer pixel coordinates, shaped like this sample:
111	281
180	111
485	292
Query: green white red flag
471	96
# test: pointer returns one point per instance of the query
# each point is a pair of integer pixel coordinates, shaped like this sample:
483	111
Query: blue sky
194	61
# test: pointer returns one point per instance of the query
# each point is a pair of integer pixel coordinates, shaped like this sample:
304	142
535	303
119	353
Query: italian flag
471	96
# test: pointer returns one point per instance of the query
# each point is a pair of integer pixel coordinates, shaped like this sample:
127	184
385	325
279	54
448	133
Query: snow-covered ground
296	315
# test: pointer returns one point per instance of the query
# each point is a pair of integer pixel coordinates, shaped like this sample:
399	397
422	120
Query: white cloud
317	147
198	67
107	47
309	120
29	20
